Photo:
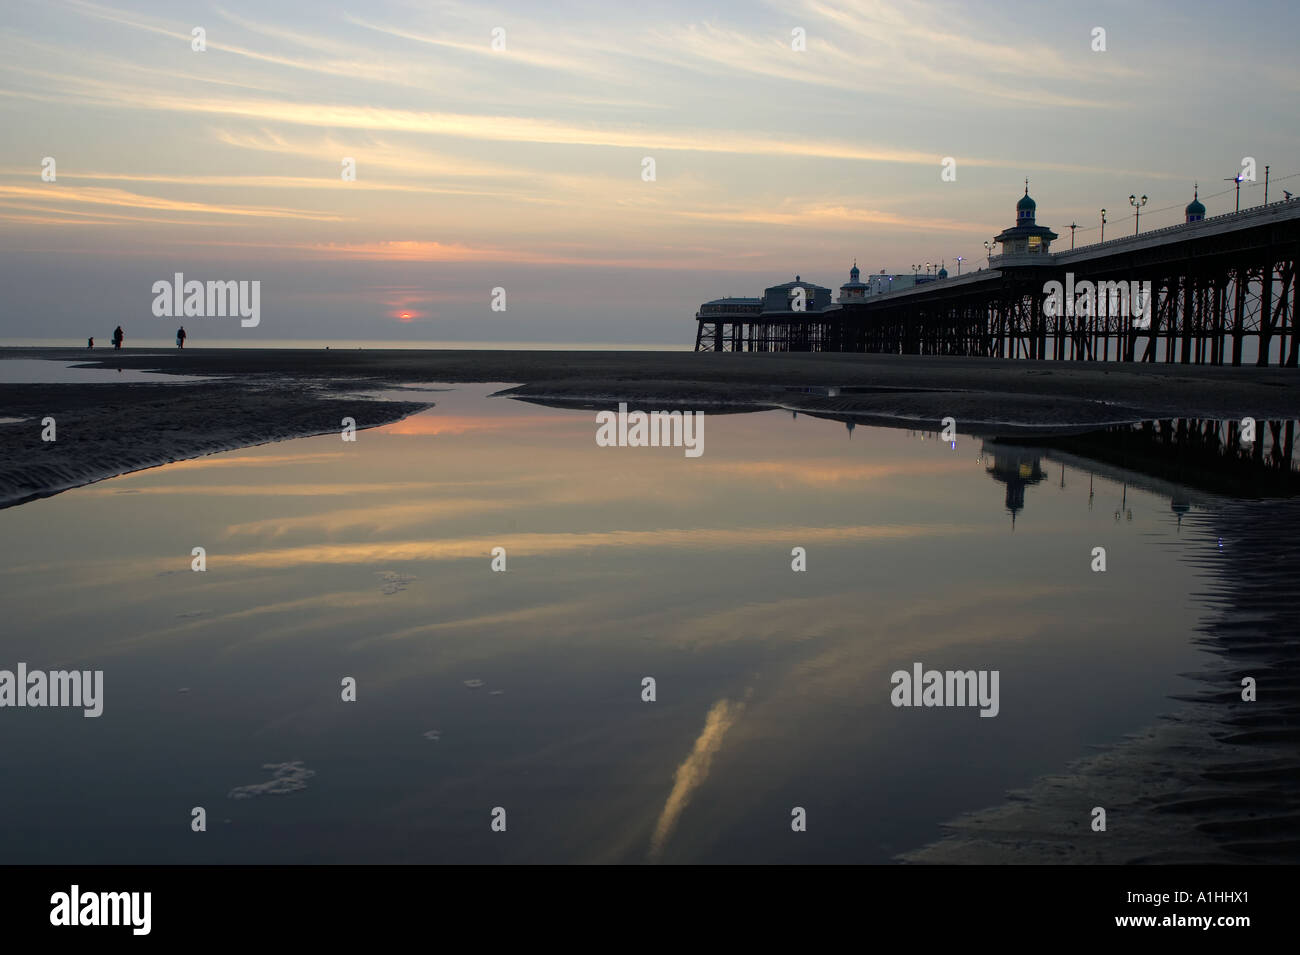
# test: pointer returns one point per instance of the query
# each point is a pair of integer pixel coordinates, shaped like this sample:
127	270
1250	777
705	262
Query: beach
1200	776
273	394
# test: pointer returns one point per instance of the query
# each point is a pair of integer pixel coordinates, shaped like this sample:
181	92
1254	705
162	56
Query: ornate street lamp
1137	205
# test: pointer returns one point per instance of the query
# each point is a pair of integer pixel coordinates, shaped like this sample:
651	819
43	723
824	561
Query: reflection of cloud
375	519
393	581
306	613
834	472
252	460
693	770
285	778
471	424
843	643
275	490
529	545
563	613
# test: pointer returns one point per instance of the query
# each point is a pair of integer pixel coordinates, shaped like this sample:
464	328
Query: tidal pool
523	690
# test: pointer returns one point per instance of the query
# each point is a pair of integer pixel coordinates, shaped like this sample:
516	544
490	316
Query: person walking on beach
90	343
117	337
180	337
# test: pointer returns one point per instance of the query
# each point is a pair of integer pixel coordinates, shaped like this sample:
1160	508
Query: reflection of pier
1185	456
1017	468
1192	462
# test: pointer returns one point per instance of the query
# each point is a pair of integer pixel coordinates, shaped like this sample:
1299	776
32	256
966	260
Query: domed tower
853	290
1195	211
943	270
1026	208
1026	237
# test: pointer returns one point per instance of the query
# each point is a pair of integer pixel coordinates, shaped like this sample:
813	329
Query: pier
1223	291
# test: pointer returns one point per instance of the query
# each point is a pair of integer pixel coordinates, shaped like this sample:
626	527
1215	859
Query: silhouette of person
90	343
180	337
117	337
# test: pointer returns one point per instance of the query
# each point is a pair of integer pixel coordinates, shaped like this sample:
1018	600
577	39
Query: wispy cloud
122	198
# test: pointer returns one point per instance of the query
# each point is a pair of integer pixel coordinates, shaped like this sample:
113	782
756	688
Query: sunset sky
522	168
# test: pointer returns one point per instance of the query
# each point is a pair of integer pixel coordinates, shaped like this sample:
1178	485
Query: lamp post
927	268
1237	180
1137	205
988	247
1103	225
960	259
1073	226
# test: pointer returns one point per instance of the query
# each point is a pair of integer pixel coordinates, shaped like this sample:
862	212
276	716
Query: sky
505	146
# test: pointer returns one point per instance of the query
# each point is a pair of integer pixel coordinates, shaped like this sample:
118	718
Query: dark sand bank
272	394
1216	781
103	430
916	388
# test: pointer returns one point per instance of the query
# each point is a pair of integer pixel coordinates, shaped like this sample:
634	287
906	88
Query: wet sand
1042	393
103	430
273	394
1218	779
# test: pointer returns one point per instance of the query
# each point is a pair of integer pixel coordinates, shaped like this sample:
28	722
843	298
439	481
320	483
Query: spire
1025	207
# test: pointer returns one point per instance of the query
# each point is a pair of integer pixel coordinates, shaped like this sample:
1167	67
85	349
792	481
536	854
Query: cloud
121	198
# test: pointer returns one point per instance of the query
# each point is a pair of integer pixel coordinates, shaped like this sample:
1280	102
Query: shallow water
523	689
